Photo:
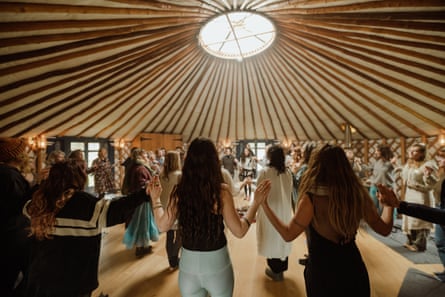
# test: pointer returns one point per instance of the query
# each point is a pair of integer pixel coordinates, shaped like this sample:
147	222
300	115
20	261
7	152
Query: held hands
262	191
428	171
154	189
387	196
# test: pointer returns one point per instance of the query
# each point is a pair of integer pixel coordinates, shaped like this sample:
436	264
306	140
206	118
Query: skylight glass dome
237	35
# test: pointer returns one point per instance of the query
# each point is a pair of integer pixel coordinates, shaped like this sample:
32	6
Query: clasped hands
387	196
154	190
262	191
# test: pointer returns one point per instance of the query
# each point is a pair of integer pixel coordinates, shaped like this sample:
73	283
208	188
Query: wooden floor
122	275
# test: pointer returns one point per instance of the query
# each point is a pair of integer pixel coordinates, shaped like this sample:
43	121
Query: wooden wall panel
154	141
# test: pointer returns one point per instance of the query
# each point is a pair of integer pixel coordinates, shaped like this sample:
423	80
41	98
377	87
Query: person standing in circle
203	206
270	244
103	175
332	203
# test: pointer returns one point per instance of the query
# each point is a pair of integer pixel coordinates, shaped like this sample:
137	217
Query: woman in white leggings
206	272
203	205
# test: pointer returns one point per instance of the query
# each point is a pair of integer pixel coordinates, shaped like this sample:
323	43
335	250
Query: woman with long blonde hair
169	178
419	177
331	206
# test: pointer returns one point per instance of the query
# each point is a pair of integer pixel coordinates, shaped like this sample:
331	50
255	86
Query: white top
418	189
167	187
270	243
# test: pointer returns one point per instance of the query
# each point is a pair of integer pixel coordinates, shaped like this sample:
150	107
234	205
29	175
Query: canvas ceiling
114	69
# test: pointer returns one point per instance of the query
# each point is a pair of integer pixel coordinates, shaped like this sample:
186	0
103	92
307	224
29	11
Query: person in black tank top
202	204
332	202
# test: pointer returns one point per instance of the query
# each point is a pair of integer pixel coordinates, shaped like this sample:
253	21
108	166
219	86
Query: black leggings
277	265
247	188
173	244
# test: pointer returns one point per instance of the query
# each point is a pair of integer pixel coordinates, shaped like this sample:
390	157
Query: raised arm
164	218
430	214
301	220
381	224
239	226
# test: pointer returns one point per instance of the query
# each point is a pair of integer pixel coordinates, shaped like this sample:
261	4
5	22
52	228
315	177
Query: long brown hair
329	167
64	179
198	194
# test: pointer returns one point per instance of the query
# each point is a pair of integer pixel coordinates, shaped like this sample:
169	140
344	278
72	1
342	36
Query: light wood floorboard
122	275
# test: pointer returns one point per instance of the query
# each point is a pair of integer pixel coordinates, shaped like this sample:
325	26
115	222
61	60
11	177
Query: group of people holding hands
63	223
331	206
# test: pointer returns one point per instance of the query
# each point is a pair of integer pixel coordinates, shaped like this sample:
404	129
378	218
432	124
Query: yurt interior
155	75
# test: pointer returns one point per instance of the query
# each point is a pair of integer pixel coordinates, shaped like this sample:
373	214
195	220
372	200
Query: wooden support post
402	150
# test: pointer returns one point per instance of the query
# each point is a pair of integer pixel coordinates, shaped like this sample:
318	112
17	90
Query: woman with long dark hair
66	231
270	244
331	206
203	206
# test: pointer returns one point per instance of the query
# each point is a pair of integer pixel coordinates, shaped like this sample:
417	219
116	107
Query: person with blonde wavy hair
169	178
419	177
331	206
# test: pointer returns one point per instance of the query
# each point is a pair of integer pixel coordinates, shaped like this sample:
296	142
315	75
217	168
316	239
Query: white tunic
269	241
419	189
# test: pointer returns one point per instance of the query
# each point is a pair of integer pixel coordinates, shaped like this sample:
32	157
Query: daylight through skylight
237	35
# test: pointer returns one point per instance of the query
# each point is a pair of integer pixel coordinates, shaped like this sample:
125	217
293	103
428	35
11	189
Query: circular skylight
237	35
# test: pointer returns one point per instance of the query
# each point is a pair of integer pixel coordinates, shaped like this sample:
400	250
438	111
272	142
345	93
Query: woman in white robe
270	243
419	178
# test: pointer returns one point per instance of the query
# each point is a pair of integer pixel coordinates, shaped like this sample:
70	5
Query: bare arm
301	220
239	226
387	196
381	224
164	219
434	215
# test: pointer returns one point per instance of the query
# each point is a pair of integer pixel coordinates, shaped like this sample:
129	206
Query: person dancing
331	206
203	206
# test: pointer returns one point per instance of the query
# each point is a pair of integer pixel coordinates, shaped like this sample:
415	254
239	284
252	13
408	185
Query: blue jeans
439	237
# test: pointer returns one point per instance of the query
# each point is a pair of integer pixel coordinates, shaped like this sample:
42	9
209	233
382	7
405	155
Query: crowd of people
321	191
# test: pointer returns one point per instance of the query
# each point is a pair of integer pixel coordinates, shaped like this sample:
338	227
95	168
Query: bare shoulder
225	188
226	192
226	197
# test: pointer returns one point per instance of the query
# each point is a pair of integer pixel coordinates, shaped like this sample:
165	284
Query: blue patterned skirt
142	228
